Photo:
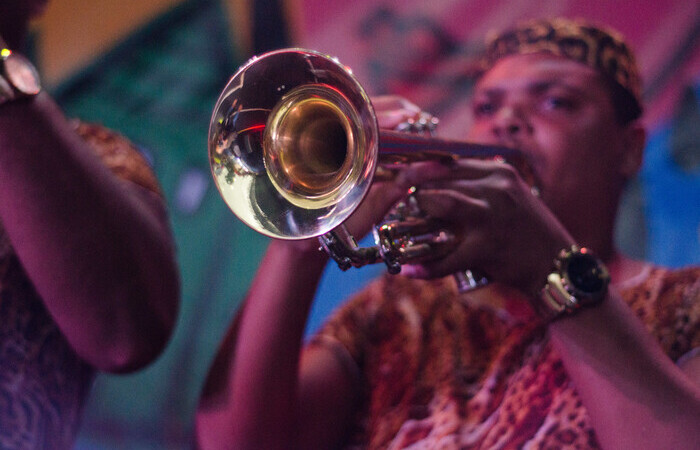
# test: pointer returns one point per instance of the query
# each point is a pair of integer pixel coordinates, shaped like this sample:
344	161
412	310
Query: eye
558	102
483	108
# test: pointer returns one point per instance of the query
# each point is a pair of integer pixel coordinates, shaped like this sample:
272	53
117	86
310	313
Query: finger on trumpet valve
422	123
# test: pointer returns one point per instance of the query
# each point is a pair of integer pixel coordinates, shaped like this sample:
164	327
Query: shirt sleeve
677	309
348	324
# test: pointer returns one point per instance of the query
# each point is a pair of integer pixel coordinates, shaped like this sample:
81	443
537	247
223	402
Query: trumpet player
570	345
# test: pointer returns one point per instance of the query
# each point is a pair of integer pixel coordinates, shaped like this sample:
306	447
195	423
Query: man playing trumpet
571	344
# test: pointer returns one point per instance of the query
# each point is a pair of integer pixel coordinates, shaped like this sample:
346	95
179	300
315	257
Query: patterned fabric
600	48
43	383
441	372
118	154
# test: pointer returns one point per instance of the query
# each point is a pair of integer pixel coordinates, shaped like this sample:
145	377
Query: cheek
576	170
562	158
575	140
479	132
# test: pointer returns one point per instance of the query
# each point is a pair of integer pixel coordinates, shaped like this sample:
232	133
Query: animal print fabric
601	48
43	383
441	374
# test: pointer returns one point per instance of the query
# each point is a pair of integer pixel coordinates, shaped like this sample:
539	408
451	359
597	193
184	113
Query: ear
635	137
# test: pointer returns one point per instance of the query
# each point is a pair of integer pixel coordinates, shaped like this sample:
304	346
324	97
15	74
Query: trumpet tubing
294	147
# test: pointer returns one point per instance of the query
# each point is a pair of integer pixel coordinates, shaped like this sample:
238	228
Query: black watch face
22	74
586	274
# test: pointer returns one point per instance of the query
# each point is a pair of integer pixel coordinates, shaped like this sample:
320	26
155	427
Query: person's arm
260	393
97	249
264	390
636	396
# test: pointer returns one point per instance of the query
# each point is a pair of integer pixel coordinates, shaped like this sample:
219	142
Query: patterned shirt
43	382
441	372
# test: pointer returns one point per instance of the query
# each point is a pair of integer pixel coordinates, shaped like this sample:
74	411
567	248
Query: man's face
560	114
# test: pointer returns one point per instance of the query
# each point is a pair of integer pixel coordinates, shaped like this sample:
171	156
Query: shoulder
668	302
391	294
389	306
662	285
119	154
685	279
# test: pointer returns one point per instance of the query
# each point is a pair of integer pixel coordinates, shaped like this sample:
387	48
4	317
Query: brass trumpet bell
293	144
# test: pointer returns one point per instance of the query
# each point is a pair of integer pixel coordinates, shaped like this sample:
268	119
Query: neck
593	226
601	242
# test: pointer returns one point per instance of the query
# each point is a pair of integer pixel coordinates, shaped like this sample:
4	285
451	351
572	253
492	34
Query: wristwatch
18	76
579	279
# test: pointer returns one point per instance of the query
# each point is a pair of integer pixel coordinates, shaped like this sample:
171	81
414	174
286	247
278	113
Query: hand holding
502	229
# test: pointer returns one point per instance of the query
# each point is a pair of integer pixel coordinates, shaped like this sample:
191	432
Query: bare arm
258	395
263	389
97	249
636	396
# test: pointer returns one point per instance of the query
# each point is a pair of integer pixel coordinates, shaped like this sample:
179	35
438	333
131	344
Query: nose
511	123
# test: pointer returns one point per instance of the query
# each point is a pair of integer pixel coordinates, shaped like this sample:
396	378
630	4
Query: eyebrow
535	87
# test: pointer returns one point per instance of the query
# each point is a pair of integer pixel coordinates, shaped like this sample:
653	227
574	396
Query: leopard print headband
602	49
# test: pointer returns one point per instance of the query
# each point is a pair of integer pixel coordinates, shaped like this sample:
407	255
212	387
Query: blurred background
153	71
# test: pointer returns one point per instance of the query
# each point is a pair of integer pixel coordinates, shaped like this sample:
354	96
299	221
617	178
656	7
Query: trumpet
294	147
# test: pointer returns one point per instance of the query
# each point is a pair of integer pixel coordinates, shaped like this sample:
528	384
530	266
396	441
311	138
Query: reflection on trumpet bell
294	147
314	146
293	144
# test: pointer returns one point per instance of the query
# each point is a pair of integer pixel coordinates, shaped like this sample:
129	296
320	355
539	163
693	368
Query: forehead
525	71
